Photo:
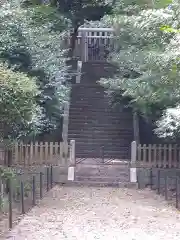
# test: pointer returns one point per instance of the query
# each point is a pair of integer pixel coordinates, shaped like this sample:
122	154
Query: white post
71	168
78	77
133	170
65	122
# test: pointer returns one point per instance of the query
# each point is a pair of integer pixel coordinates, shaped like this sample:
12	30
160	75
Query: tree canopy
18	108
147	56
32	42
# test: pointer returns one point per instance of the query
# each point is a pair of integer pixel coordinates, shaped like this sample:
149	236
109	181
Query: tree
148	60
32	41
18	107
78	11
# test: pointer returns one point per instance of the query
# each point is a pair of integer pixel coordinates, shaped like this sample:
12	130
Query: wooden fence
36	153
158	155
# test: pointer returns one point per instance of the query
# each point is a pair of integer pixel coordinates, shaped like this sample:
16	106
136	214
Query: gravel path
85	213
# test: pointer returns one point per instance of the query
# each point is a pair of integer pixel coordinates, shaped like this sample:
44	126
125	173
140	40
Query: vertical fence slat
149	152
65	150
16	153
36	151
177	192
21	153
144	153
47	179
178	158
170	160
154	155
159	153
163	154
46	152
56	153
61	161
22	197
31	152
10	203
51	152
34	191
41	146
175	155
27	154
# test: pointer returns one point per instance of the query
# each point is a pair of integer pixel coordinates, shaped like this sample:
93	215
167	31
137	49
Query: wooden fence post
34	191
41	185
22	197
71	168
177	192
10	203
133	170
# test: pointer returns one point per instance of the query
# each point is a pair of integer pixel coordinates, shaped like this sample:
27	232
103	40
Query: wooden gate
94	44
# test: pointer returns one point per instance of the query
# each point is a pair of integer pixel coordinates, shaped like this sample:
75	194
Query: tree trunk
72	44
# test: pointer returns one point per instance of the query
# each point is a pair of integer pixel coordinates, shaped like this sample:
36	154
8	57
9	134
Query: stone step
94	114
101	179
101	129
99	147
86	132
110	154
98	154
94	124
96	163
100	184
83	131
89	91
91	97
101	120
87	86
105	142
102	173
105	129
91	141
97	111
101	142
98	137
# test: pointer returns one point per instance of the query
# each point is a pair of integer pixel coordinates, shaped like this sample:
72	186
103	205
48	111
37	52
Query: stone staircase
102	133
102	173
99	130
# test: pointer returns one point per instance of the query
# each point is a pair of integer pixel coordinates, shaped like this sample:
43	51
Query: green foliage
32	41
17	101
80	10
147	56
7	173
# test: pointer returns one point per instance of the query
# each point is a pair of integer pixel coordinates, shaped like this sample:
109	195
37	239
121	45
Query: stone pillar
65	122
136	126
71	168
79	67
133	170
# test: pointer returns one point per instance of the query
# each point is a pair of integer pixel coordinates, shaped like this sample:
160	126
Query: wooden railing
158	155
36	153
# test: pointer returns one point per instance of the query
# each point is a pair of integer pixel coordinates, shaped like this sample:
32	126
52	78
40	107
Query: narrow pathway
85	213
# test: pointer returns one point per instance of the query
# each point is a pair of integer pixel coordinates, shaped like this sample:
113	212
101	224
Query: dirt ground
87	213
